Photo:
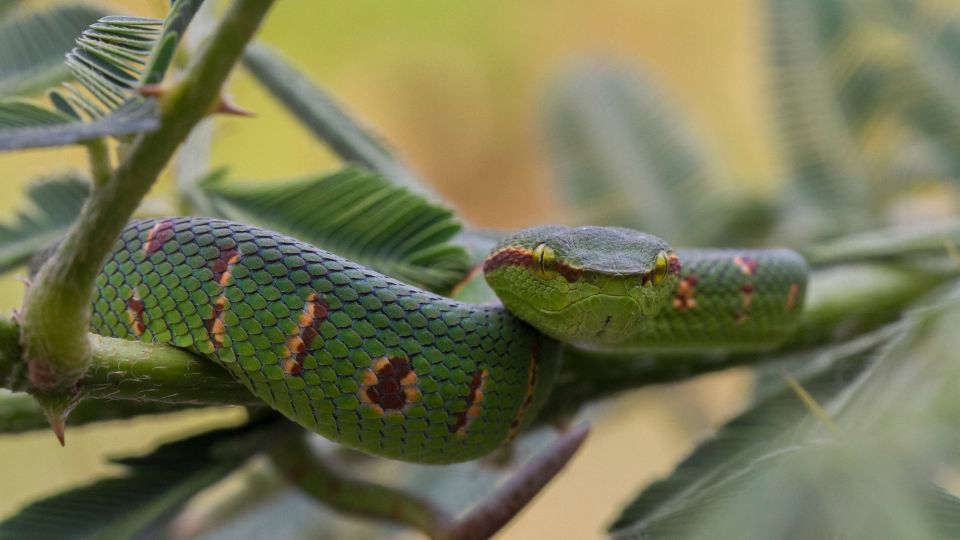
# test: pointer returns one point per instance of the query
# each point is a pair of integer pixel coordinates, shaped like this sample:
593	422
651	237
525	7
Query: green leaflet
331	124
353	213
53	205
745	437
26	114
929	81
334	126
819	490
32	47
24	124
174	26
140	502
624	155
617	148
903	243
871	477
8	6
356	214
865	95
112	59
820	149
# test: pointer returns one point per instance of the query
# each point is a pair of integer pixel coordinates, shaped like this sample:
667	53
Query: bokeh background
458	89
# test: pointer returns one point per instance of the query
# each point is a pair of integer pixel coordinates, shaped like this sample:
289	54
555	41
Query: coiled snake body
384	367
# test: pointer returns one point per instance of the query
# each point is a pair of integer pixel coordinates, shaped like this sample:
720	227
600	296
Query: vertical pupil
541	253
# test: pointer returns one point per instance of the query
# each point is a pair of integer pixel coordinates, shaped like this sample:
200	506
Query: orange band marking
528	398
685	291
792	295
389	385
314	312
747	265
161	232
135	309
221	268
743	313
474	404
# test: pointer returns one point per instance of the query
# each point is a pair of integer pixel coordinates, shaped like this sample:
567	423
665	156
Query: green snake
395	371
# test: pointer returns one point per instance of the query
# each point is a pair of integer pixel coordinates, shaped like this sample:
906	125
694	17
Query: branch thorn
223	105
153	90
57	407
226	106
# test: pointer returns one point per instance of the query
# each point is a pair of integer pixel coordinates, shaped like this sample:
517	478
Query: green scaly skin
389	369
600	289
357	357
729	299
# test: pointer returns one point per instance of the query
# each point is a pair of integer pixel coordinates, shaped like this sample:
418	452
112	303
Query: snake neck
730	299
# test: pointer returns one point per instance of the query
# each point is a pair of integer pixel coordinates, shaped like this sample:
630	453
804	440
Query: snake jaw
576	320
597	307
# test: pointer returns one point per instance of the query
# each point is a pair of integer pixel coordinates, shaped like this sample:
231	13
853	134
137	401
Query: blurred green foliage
868	130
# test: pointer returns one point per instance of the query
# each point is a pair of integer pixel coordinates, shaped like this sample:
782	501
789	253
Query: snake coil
384	367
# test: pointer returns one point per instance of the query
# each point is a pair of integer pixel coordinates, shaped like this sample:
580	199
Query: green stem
21	412
56	310
513	495
12	376
153	372
298	463
589	376
98	152
134	371
842	303
847	300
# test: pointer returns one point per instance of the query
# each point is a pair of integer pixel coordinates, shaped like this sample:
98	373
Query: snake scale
386	368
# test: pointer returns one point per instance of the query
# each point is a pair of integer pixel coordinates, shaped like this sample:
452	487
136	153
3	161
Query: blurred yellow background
456	88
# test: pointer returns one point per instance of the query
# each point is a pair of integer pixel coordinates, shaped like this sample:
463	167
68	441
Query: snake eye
543	257
659	268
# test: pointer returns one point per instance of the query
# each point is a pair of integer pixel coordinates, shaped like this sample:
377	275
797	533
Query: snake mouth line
576	302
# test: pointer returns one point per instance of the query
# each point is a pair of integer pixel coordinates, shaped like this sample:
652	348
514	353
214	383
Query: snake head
584	284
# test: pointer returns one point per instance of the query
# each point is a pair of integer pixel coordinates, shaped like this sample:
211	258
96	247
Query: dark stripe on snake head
568	272
517	256
673	264
511	256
